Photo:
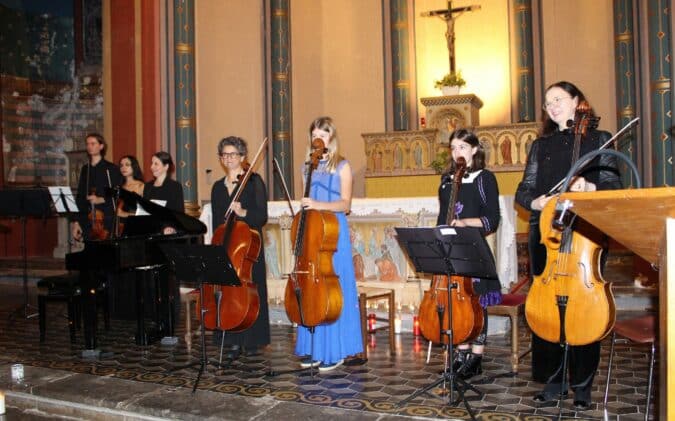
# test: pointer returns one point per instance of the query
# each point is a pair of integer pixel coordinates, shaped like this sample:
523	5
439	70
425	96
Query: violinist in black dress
548	161
251	208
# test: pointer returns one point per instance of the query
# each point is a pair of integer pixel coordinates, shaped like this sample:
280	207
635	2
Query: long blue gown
335	341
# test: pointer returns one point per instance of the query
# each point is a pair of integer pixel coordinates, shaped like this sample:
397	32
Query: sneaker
308	362
329	367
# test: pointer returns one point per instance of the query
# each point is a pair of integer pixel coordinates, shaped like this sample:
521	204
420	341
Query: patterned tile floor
376	386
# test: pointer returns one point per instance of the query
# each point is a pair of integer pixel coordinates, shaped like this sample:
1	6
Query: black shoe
460	359
544	397
472	366
580	405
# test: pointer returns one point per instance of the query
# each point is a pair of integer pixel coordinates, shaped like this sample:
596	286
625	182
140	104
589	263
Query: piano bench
67	288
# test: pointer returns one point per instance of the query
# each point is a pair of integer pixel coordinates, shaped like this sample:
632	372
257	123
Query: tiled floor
376	387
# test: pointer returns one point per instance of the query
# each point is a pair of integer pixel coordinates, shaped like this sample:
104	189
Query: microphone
570	123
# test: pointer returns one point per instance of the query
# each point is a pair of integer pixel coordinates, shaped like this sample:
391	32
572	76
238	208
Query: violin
235	308
97	221
313	295
570	302
467	314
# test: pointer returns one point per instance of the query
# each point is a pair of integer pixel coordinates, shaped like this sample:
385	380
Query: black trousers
547	357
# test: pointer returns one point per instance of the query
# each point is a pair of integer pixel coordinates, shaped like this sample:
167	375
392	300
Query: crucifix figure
449	15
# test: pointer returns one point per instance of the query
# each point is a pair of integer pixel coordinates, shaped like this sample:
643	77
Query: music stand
205	264
22	203
445	250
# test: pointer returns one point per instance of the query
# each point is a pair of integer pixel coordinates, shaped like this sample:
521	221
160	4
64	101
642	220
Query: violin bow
618	134
277	169
244	179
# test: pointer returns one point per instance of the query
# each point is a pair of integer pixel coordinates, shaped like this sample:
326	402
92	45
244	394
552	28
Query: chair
372	294
641	330
512	306
67	288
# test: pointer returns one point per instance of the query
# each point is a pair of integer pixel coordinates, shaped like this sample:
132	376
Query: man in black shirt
96	178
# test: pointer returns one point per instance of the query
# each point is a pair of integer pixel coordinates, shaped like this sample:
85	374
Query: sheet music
140	211
60	194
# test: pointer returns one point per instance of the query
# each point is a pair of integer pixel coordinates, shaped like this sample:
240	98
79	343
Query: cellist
331	190
477	206
548	162
251	209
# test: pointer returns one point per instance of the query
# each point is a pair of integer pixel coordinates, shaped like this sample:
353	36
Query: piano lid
159	218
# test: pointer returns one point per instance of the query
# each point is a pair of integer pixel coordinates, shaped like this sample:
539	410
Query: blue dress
335	341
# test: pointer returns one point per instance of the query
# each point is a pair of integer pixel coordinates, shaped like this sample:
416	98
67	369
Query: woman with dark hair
251	208
548	162
477	205
132	181
163	187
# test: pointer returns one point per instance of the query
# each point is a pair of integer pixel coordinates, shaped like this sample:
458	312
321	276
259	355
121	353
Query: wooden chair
640	330
512	306
372	294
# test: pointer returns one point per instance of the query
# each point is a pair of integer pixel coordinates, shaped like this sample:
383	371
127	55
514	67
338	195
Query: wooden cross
449	15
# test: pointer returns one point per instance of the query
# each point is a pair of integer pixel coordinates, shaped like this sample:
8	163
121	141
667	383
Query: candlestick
416	326
371	322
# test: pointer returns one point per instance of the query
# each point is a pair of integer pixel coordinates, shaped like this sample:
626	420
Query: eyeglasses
230	154
555	101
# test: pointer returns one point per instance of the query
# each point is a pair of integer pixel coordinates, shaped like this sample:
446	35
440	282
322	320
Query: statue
449	15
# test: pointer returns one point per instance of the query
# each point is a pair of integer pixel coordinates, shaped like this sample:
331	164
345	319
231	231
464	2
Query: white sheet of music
60	194
141	211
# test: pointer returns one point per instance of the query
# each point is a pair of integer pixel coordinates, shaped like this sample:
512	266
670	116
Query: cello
467	314
570	302
235	308
313	295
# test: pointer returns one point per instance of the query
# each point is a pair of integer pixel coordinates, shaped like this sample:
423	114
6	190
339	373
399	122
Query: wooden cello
313	294
467	314
570	302
235	308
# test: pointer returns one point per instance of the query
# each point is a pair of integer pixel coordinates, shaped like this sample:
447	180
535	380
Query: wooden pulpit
643	220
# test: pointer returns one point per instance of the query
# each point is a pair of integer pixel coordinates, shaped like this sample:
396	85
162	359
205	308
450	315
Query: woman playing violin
331	190
548	162
133	181
251	209
477	205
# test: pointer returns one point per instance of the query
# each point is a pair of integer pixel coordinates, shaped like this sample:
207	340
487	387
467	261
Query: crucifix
449	15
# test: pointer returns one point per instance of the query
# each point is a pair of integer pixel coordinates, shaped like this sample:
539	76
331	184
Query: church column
522	11
280	49
624	53
400	56
184	85
659	75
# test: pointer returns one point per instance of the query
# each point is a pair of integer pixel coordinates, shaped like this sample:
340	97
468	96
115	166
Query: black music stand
445	250
23	203
205	264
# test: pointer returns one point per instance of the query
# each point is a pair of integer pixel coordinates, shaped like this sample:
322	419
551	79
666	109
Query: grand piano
137	248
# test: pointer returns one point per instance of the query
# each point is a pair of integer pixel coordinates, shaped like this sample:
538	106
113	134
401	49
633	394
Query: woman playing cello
477	206
251	209
548	162
331	190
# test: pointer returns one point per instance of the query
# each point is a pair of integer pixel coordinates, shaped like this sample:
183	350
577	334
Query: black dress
478	197
548	162
101	178
254	200
170	191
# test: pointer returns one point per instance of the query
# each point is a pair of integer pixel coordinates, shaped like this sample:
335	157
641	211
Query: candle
2	403
397	324
371	322
416	326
